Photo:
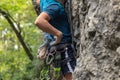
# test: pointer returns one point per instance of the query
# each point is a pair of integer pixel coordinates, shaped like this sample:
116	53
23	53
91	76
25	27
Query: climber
53	21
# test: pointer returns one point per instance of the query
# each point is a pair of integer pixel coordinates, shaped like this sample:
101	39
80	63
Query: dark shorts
68	60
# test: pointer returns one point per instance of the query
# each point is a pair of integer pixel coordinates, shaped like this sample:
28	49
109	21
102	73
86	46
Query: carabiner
49	59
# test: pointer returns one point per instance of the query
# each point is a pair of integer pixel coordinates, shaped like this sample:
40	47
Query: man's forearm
46	27
43	24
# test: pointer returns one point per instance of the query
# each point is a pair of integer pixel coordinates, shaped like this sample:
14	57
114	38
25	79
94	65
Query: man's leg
68	65
68	76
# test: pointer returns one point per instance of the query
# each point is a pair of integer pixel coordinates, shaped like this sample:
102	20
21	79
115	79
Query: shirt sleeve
53	11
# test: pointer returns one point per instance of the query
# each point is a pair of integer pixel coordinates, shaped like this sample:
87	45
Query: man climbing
53	21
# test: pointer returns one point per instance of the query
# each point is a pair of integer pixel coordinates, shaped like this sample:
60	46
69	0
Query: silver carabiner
49	59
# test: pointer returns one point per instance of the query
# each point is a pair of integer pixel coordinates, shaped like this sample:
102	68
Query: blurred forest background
19	41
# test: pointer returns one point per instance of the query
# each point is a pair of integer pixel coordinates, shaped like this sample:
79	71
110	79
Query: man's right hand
57	38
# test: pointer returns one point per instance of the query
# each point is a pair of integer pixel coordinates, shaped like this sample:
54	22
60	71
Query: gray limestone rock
95	26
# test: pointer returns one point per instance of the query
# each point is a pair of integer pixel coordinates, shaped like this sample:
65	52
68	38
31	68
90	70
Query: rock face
95	26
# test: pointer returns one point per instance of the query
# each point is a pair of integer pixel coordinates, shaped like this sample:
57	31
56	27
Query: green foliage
44	74
14	63
57	71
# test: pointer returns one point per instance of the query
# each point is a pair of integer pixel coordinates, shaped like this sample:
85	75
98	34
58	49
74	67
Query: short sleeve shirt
59	19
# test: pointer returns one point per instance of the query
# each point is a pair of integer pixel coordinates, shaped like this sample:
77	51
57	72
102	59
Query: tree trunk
96	26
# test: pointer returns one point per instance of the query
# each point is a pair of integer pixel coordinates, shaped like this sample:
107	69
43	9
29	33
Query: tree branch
11	21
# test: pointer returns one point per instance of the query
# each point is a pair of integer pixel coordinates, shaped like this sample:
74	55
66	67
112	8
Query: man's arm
43	24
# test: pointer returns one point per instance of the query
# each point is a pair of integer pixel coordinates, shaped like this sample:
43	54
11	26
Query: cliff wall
95	25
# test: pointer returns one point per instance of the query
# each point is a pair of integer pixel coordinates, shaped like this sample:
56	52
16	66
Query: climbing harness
54	54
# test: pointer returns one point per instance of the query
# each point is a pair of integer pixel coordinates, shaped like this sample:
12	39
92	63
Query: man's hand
57	38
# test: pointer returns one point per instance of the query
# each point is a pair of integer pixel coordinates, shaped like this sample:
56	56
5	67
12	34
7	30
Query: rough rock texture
96	29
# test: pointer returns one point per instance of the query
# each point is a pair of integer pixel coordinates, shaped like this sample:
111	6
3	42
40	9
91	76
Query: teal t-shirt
58	19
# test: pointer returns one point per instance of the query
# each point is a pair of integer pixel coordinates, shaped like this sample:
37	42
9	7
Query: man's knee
68	76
